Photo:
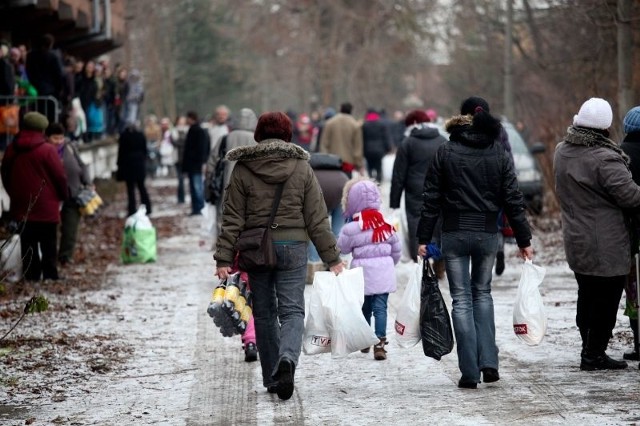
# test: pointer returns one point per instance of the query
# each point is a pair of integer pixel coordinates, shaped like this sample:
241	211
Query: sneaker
467	385
250	352
365	350
600	362
490	375
286	371
500	263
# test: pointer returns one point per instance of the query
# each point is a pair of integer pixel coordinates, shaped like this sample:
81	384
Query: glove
433	251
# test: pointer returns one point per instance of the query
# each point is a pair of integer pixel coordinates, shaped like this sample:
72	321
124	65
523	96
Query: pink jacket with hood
377	259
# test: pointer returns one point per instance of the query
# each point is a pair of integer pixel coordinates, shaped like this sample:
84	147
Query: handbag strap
276	203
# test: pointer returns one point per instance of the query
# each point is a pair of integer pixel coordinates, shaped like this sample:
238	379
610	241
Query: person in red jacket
34	178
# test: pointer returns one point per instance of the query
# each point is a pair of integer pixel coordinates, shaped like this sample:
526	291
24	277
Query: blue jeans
473	319
337	222
196	189
376	304
278	308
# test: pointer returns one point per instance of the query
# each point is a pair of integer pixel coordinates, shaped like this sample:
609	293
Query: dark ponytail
486	123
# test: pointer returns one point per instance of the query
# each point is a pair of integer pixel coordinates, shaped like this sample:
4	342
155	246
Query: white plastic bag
529	318
347	326
316	339
11	259
207	226
407	322
139	220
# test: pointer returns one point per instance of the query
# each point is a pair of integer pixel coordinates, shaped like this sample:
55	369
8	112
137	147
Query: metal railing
47	105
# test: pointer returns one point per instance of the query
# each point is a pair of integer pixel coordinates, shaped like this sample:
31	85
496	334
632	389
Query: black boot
633	355
600	362
593	357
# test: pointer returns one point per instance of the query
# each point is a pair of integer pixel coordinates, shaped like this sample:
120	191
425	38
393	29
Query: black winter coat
132	155
413	158
470	180
196	149
376	140
631	146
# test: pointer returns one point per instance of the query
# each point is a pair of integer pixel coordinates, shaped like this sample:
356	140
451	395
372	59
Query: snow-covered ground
174	368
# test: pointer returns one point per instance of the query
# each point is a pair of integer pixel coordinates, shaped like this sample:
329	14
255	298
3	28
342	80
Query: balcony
82	28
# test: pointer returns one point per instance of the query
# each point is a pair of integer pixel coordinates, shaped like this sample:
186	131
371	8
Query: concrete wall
100	158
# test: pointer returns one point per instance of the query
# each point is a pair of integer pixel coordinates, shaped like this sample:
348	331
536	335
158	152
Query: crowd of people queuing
90	97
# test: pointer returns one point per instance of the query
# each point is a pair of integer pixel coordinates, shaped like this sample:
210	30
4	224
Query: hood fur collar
458	121
586	137
268	148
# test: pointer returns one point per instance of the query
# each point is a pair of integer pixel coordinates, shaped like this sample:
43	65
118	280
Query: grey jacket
76	170
594	186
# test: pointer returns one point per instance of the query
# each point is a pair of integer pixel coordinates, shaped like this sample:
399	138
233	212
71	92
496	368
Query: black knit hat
470	105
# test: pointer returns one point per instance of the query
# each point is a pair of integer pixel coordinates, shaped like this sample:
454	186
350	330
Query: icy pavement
178	370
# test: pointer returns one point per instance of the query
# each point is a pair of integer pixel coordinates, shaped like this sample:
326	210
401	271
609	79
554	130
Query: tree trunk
625	58
508	64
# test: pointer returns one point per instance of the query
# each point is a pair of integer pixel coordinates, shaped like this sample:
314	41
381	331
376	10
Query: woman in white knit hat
595	187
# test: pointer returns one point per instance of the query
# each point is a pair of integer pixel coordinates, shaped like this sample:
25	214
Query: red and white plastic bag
529	317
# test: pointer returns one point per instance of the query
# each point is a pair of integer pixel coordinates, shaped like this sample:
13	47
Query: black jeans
374	164
39	237
598	302
131	195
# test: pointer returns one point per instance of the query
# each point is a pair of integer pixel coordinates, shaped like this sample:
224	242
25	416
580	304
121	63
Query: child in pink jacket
375	247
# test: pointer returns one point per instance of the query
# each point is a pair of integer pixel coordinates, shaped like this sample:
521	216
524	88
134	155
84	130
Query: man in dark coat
36	182
46	73
413	158
196	152
132	157
376	143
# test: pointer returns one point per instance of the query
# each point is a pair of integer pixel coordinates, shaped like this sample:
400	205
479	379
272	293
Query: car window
518	145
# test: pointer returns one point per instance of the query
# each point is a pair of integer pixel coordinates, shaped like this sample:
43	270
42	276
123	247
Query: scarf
60	149
588	137
373	219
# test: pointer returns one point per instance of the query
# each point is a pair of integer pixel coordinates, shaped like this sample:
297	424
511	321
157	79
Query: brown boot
379	353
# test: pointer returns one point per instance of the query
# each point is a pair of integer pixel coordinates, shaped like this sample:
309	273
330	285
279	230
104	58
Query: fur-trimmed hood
365	196
458	121
461	129
273	160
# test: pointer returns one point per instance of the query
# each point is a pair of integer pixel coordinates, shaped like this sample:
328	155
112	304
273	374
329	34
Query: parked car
527	168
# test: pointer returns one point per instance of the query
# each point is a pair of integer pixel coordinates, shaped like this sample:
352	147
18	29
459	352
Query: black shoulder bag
255	246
